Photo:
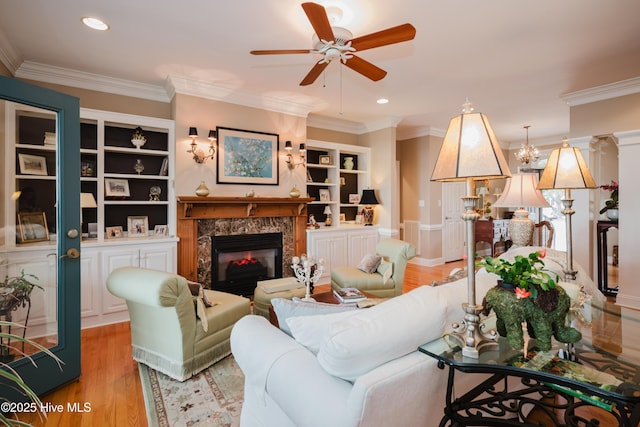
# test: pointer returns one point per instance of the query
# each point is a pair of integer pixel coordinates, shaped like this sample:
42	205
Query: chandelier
527	153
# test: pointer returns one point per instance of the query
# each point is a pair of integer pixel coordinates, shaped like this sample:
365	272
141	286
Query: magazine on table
348	295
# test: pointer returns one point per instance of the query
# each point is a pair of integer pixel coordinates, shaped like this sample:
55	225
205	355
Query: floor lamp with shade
470	151
520	192
566	169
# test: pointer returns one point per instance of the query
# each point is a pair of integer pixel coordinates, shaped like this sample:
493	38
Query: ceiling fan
338	43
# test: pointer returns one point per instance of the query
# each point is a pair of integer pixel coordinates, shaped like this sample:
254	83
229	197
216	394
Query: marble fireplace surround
200	218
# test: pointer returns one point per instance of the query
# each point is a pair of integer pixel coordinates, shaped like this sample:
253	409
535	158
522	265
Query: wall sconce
291	162
198	154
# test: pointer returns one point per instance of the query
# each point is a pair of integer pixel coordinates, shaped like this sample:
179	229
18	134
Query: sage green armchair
166	333
395	251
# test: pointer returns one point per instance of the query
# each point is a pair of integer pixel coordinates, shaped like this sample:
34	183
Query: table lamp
327	212
520	192
86	201
368	199
566	169
470	151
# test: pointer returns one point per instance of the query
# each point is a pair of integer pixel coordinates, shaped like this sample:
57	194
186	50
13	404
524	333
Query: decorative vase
295	193
202	190
612	214
348	163
138	167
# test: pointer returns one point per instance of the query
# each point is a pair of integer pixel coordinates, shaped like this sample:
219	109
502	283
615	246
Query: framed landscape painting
247	157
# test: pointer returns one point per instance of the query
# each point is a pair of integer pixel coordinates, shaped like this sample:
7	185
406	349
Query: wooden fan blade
365	68
319	20
279	52
314	73
401	33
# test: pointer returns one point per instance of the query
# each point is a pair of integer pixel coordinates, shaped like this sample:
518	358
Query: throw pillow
385	269
285	309
311	331
372	337
198	291
370	263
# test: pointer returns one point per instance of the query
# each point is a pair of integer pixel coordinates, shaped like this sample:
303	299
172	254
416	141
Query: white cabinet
330	246
40	268
362	242
98	306
341	246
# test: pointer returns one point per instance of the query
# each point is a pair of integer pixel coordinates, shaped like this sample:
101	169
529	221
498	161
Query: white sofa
367	370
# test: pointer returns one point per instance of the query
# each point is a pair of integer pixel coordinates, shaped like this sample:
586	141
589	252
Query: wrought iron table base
491	403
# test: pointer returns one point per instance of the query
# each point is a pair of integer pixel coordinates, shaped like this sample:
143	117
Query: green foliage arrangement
612	203
13	291
526	273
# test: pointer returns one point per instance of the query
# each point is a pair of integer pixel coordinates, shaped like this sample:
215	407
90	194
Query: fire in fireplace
240	261
245	267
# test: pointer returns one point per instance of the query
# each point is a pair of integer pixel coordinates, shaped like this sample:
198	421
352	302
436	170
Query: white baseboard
427	262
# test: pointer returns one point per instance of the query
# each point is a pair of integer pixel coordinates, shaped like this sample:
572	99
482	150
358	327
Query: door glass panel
28	262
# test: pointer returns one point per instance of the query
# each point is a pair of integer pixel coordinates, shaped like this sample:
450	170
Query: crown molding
417	132
600	93
64	76
8	56
338	125
185	86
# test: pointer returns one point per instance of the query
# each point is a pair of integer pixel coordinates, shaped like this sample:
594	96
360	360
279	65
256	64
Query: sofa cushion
354	278
311	331
285	309
357	344
385	269
369	263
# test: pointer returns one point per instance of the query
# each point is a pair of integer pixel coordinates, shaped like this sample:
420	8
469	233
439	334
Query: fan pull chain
340	89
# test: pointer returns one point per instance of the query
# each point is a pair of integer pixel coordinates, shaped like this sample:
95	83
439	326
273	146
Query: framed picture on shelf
137	226
359	219
114	232
164	168
354	199
247	157
161	230
32	165
325	196
32	227
116	187
325	160
343	217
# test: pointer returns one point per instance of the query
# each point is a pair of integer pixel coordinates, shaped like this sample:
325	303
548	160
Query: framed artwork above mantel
247	157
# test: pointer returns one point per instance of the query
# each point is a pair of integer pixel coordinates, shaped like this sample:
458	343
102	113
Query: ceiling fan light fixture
95	23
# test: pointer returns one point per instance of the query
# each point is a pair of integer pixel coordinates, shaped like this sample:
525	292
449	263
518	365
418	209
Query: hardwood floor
110	382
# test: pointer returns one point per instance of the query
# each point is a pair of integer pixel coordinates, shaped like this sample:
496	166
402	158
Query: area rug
211	398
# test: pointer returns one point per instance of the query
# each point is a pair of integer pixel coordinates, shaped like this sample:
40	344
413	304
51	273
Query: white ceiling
513	58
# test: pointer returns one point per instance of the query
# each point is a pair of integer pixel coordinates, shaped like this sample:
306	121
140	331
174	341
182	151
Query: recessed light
382	101
95	24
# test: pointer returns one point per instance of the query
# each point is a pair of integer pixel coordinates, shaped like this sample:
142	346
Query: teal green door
56	245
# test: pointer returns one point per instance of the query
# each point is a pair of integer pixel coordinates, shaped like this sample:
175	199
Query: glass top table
603	370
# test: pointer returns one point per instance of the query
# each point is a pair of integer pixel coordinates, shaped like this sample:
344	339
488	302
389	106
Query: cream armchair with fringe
387	279
168	333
